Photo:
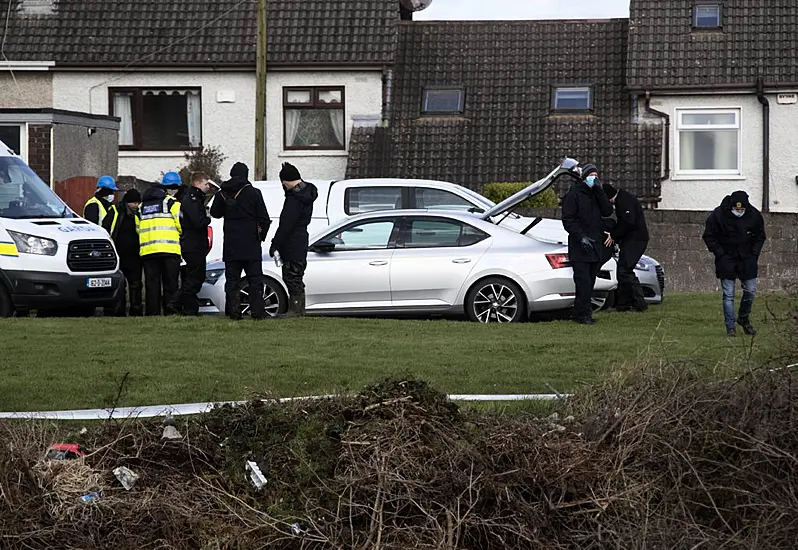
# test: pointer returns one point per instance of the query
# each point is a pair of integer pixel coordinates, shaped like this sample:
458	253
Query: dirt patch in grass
656	458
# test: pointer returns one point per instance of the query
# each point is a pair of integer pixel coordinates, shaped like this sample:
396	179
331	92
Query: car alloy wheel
273	299
495	301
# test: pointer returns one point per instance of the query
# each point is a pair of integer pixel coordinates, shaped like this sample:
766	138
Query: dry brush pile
657	459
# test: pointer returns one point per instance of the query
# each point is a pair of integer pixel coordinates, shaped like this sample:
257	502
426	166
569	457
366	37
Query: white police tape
153	411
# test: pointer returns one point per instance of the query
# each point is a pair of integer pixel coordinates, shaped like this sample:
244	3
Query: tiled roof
759	38
507	132
203	32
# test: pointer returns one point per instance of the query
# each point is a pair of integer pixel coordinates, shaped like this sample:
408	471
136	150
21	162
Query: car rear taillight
210	238
558	261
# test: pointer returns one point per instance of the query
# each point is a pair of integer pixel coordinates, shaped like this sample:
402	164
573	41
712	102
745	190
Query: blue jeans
749	291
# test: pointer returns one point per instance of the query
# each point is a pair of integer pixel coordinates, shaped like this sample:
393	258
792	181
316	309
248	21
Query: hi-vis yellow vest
159	228
100	205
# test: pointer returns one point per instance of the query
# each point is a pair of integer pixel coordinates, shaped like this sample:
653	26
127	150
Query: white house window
15	137
313	118
572	99
158	119
443	101
708	142
707	16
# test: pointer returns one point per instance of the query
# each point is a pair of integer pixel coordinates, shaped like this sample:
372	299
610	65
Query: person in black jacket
735	234
246	224
122	223
583	212
631	234
291	239
194	221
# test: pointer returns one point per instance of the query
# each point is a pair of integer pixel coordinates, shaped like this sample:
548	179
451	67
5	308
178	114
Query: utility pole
260	93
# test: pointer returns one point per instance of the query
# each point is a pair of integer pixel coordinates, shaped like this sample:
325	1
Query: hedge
498	191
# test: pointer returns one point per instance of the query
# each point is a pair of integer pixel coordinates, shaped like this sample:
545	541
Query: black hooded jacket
246	220
194	221
735	242
124	233
631	224
583	213
291	239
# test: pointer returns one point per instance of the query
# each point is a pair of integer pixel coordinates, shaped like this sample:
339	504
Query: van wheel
6	305
495	300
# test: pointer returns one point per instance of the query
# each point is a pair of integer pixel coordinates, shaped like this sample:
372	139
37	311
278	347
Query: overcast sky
524	9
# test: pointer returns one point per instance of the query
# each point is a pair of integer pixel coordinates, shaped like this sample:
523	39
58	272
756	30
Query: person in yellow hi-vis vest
159	238
97	207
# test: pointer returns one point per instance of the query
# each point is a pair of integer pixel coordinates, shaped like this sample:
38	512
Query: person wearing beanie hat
631	234
291	238
735	234
122	223
584	208
246	224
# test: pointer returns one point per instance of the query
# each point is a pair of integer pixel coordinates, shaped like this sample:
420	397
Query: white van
50	258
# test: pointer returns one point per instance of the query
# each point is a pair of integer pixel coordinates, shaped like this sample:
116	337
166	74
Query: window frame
314	104
563	87
138	108
392	238
23	138
680	126
416	191
461	103
406	224
698	5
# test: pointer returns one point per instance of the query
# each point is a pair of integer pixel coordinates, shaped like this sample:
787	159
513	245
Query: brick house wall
39	149
689	267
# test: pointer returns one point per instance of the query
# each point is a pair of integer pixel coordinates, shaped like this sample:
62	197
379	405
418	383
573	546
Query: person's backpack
231	202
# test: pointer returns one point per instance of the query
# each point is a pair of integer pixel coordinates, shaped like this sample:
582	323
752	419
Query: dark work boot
301	310
731	332
294	307
233	306
747	326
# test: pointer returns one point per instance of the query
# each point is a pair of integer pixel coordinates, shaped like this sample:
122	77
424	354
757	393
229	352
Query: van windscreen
23	195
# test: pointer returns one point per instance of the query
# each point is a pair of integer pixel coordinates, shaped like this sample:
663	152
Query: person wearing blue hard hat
97	206
159	239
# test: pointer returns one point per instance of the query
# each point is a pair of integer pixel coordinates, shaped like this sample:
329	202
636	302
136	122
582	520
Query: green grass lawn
49	364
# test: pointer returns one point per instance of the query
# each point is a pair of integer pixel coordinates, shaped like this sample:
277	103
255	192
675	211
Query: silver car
422	262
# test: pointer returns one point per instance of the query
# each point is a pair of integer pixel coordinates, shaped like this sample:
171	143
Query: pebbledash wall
689	267
228	114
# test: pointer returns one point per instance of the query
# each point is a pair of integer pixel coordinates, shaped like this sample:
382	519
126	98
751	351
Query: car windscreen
23	195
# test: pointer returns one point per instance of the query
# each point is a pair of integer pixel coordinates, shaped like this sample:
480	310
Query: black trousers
130	266
232	287
191	283
293	275
630	293
161	273
584	280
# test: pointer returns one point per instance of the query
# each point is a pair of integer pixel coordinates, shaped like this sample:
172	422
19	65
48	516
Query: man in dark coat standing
735	234
291	239
194	244
583	212
246	224
631	234
122	223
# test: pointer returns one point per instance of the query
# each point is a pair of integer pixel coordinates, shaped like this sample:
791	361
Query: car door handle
379	262
462	261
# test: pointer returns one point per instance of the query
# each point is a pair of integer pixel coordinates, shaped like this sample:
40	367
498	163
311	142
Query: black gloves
271	251
588	245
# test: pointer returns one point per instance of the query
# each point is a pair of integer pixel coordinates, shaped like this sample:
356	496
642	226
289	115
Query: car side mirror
323	247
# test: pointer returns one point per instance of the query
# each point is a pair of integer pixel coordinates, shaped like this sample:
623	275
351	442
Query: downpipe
760	95
666	173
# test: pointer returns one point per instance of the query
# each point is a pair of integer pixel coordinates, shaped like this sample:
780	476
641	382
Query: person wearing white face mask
589	246
735	234
97	207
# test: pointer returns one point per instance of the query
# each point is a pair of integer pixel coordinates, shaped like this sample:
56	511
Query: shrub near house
499	191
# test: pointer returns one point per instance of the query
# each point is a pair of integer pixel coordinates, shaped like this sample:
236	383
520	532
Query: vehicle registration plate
101	282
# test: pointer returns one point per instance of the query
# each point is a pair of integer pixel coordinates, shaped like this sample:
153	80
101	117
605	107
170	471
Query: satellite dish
415	5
